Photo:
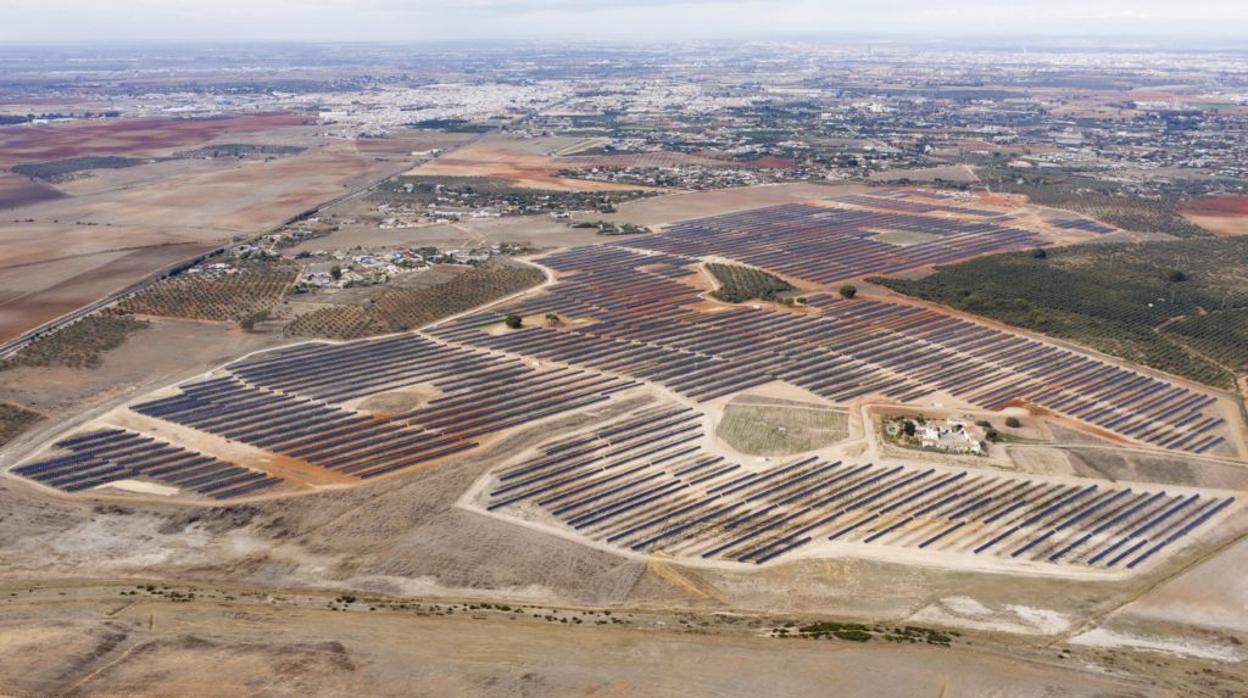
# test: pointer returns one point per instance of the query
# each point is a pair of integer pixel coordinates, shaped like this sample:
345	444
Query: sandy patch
1100	637
966	612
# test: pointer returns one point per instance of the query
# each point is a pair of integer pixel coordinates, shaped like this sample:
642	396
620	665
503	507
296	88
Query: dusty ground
947	173
128	641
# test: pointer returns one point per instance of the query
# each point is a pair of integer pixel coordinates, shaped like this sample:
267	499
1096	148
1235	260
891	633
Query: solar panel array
635	318
895	204
644	484
828	245
101	457
291	403
1090	226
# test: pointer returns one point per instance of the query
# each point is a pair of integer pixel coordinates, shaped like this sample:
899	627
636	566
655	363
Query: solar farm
639	318
643	485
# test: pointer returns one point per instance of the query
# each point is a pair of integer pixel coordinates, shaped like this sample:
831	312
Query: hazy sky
412	20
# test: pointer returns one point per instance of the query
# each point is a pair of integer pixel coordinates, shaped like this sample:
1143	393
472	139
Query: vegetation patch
738	284
239	150
398	309
78	345
1175	306
858	632
61	170
610	228
1102	200
451	195
237	292
14	420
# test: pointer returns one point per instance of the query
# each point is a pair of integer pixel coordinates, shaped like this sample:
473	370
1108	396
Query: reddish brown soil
22	311
16	190
57	141
1219	206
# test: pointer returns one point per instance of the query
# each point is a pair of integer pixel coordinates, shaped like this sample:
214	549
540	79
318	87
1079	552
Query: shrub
513	321
1012	422
848	291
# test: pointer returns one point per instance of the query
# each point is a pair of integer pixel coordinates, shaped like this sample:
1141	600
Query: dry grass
14	420
780	428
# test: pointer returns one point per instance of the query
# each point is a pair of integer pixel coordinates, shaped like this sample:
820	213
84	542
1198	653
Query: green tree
849	291
249	321
513	321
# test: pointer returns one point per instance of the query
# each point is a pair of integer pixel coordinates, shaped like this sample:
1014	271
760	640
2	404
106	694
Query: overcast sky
414	20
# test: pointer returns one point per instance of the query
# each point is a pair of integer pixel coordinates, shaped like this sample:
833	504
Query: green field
1177	306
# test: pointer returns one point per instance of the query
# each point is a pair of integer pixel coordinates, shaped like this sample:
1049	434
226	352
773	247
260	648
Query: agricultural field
761	426
738	284
80	345
1174	306
398	308
233	294
14	420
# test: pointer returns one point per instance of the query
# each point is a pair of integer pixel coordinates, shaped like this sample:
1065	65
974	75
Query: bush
1012	422
513	321
852	635
848	291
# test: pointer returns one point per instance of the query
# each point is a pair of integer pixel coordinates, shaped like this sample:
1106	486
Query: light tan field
229	642
523	163
950	173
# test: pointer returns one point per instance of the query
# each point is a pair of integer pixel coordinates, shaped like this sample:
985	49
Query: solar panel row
107	456
828	245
